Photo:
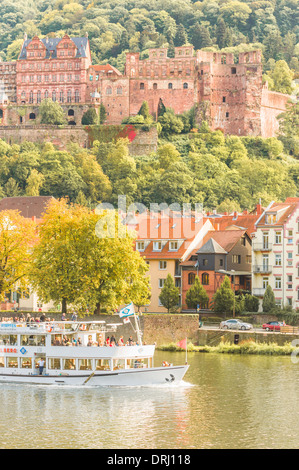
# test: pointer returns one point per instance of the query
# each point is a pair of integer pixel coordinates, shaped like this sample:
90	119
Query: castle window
109	90
234	70
31	116
223	59
227	115
205	279
141	86
155	86
119	90
169	86
61	97
69	96
31	97
223	99
54	96
185	86
46	95
77	96
38	97
70	112
191	279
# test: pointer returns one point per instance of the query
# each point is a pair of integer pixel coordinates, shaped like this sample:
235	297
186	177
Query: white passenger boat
74	353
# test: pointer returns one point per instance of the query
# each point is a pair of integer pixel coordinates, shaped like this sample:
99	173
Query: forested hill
115	26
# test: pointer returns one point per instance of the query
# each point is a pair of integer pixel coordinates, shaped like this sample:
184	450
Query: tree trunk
97	309
63	306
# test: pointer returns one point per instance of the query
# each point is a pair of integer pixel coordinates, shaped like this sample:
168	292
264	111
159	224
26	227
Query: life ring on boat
165	364
49	329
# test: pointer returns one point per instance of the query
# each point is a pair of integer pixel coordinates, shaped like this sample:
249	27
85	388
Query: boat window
12	362
54	363
136	363
33	340
56	340
8	340
68	364
85	364
2	362
118	364
26	362
102	364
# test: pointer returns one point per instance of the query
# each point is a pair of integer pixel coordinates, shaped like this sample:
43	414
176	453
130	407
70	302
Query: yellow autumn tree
86	258
17	237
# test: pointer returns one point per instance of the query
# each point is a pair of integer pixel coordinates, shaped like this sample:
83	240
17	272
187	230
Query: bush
90	117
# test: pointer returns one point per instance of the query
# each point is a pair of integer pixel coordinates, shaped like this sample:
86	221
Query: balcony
262	246
258	291
262	269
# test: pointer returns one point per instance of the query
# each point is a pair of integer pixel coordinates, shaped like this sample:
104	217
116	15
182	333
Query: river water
225	402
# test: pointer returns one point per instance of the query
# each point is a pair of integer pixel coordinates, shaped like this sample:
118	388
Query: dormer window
140	246
157	246
270	218
173	246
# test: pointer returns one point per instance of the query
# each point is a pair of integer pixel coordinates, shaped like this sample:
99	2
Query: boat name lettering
8	350
8	325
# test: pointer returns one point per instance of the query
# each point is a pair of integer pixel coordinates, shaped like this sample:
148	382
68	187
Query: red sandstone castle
226	89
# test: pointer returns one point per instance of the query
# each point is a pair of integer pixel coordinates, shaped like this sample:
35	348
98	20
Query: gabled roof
106	68
51	47
210	247
282	210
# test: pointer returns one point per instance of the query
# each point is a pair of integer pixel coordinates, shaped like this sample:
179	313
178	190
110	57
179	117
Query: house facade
275	251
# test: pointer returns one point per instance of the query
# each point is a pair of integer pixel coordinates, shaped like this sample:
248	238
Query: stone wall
214	337
143	143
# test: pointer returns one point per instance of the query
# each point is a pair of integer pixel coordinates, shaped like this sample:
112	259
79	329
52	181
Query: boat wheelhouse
75	353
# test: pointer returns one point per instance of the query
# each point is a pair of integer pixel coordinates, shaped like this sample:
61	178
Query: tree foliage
170	295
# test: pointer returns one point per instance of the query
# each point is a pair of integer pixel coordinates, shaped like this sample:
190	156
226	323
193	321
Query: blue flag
127	311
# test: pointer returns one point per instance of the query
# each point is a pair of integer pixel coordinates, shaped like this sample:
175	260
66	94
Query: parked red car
272	326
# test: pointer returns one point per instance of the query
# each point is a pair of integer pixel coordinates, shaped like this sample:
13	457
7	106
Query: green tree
90	117
181	37
170	295
102	114
282	77
51	112
289	128
268	303
251	303
224	298
196	295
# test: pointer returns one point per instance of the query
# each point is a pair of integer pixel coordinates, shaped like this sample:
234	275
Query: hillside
117	26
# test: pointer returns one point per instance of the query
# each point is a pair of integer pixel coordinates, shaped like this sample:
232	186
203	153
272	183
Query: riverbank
245	347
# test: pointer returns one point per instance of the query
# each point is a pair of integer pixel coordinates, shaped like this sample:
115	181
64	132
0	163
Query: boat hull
117	378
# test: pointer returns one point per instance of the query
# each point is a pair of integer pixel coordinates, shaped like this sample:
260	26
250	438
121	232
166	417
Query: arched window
185	86
61	97
169	86
54	95
155	86
46	95
31	116
38	97
205	279
141	86
77	96
119	90
109	90
191	278
71	112
69	96
31	97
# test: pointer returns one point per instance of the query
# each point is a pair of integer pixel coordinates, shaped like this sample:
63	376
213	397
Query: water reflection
226	401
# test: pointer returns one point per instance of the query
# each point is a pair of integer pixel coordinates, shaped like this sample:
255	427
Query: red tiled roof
286	208
28	206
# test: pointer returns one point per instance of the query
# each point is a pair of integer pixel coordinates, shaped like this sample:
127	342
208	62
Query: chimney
258	209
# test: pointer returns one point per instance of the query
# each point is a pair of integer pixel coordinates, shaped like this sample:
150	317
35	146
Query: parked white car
235	324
